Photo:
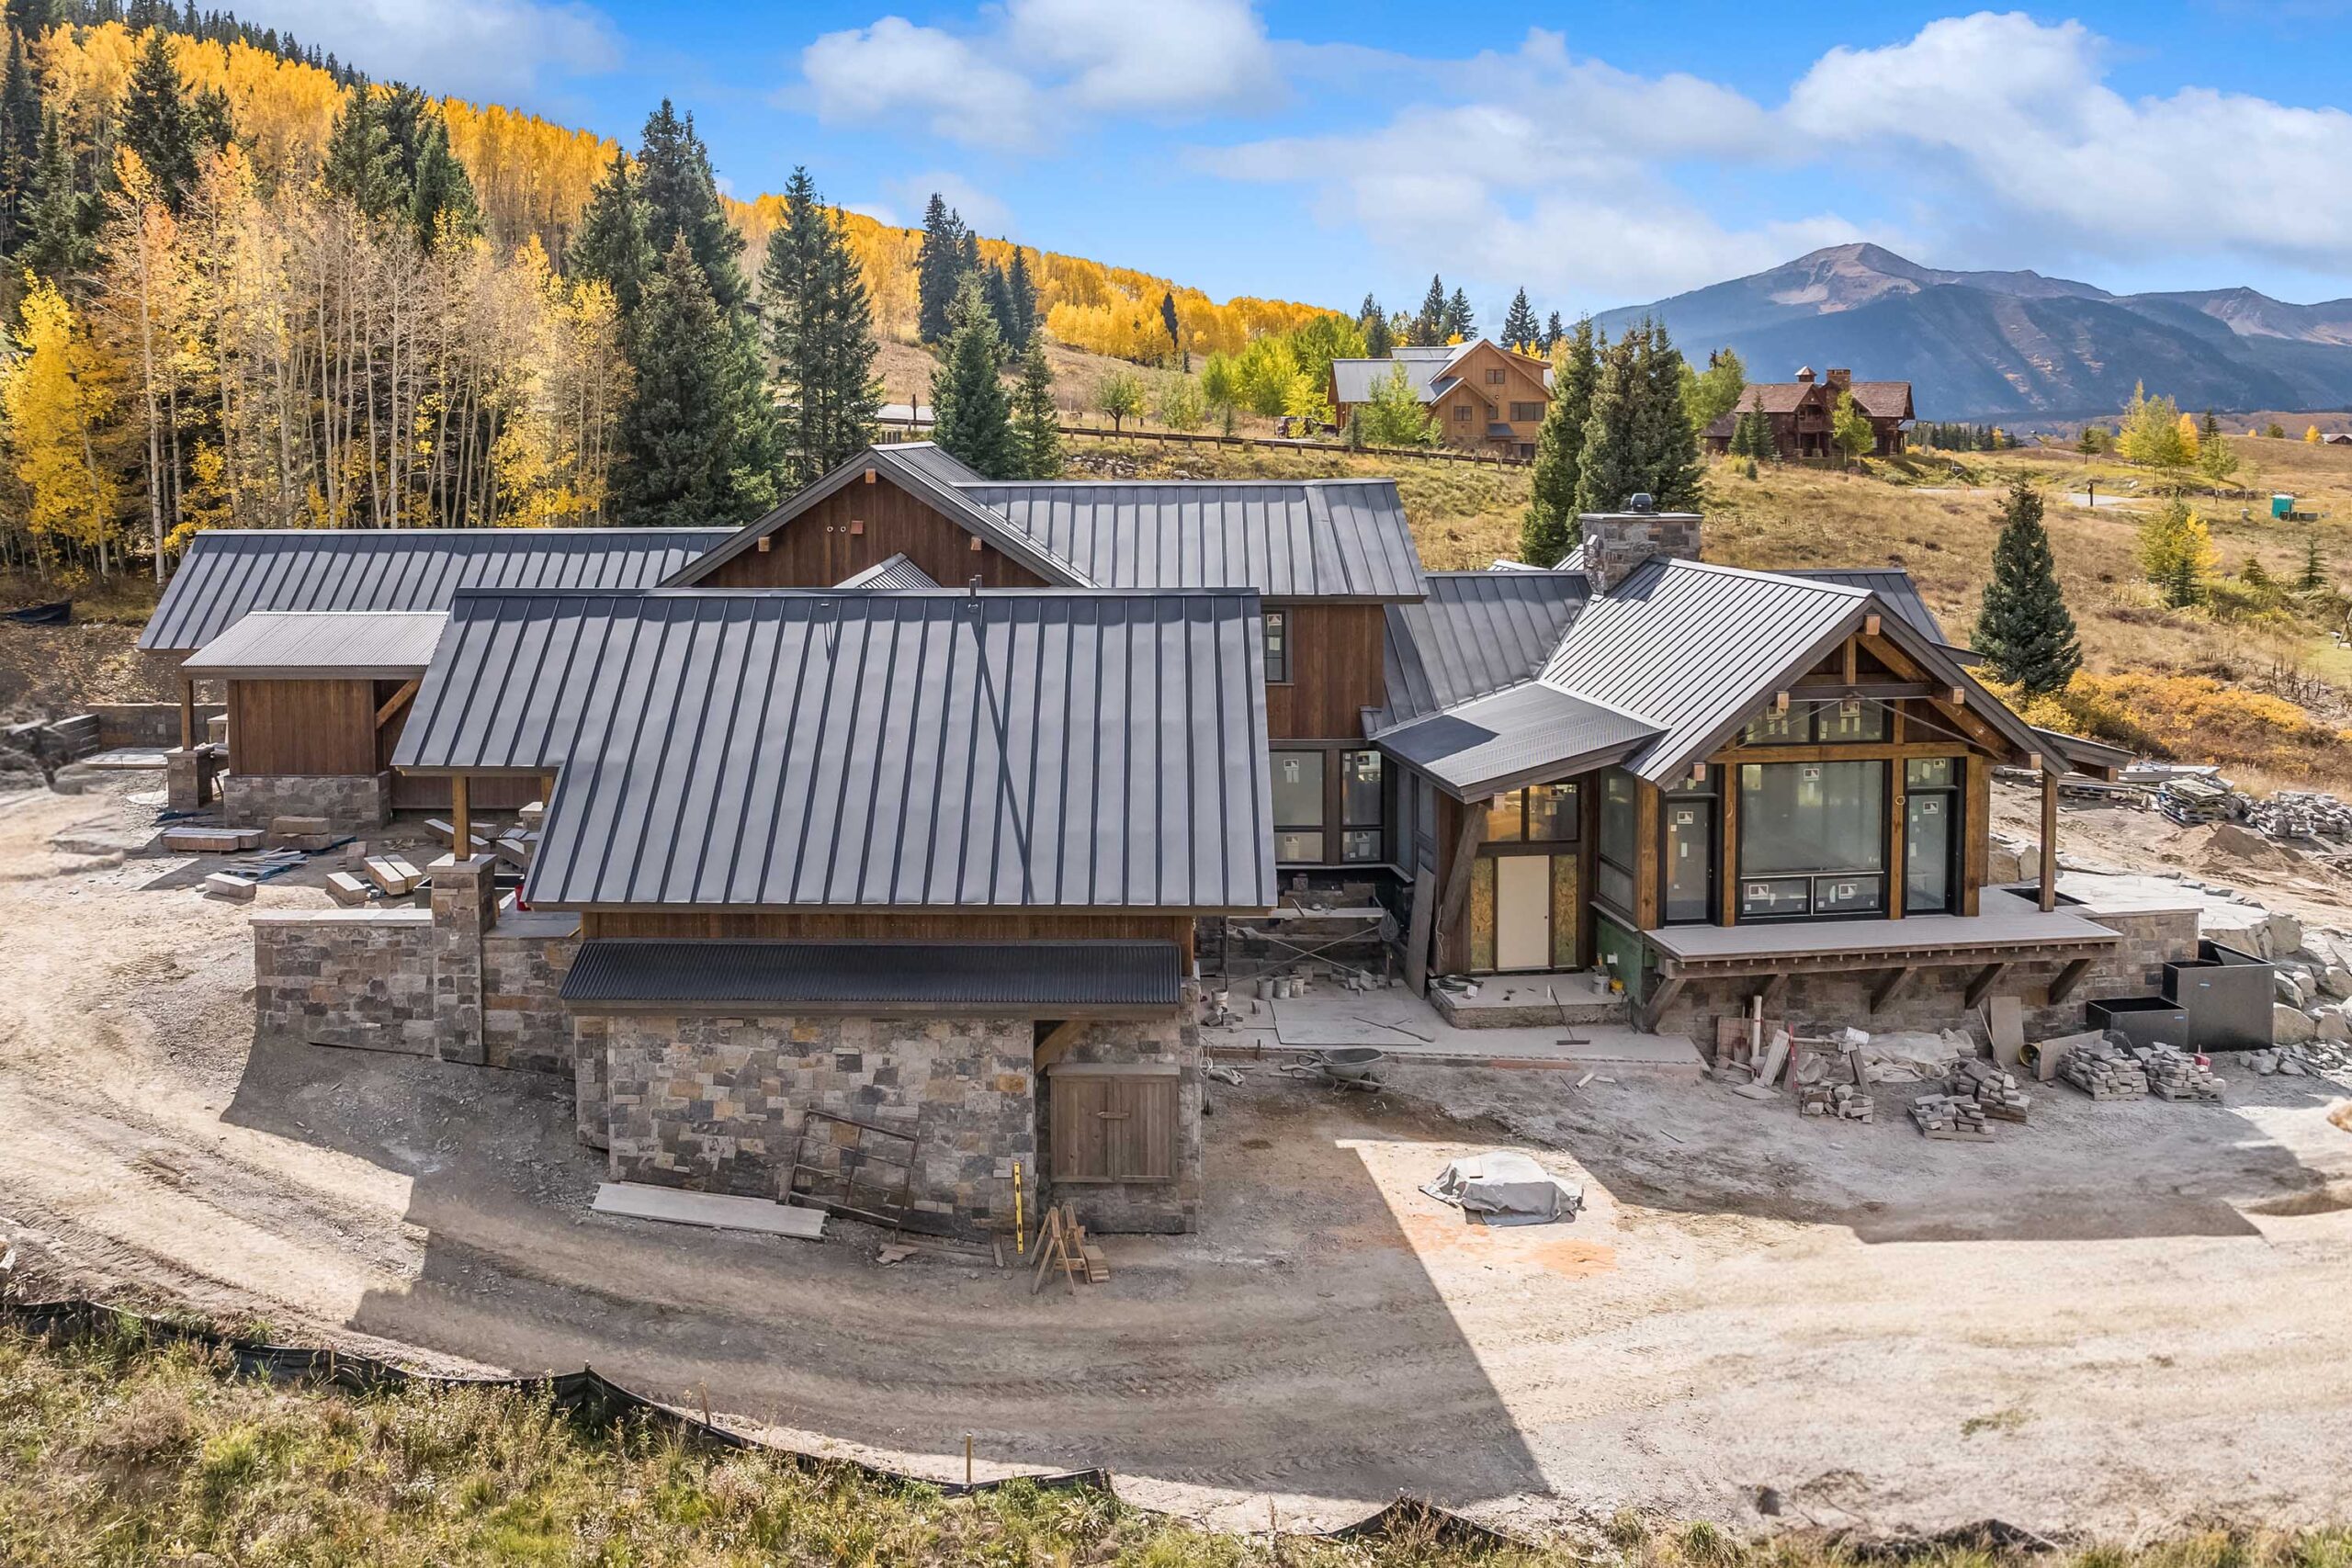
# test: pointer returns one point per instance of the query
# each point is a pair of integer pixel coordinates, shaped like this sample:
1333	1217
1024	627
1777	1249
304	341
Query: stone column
187	779
465	905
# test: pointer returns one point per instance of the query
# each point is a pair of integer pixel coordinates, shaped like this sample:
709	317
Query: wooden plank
1056	1043
1456	902
711	1211
1986	979
1659	1000
302	728
1975	825
461	821
397	701
2049	892
1648	873
1728	870
187	716
2063	985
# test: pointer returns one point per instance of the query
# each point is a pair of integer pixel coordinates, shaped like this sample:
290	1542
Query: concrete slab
127	759
712	1211
1408	1029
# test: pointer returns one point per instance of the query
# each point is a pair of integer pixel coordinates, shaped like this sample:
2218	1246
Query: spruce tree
1665	443
2023	628
939	268
999	292
1022	284
675	433
1609	466
57	243
156	121
1459	321
19	143
821	332
1379	337
211	123
1550	530
1037	423
1171	324
362	166
1430	325
611	246
680	195
441	203
1552	334
1521	332
972	420
2314	572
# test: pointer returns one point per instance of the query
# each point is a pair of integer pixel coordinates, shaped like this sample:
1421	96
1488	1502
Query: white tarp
1506	1188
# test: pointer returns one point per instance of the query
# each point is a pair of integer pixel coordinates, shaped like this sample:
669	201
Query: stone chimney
1804	375
1617	542
1840	379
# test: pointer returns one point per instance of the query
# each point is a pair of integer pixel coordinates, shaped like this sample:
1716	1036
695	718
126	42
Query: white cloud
896	71
475	49
980	210
1047	66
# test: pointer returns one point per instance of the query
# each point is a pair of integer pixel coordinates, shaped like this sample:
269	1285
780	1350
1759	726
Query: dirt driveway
2117	1317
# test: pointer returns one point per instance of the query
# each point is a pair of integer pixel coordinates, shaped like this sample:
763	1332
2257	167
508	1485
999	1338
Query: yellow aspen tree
138	315
61	396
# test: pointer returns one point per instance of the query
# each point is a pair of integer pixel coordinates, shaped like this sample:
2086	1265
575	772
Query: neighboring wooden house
1481	395
1802	413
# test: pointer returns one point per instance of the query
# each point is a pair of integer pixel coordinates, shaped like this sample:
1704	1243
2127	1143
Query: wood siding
862	525
901	925
282	728
1112	1126
1336	673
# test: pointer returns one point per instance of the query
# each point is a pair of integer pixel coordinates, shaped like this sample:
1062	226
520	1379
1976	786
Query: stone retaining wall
351	804
148	724
716	1104
1142	1206
358	978
523	1022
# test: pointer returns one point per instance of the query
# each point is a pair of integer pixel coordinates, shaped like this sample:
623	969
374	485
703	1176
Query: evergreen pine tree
1609	466
1430	325
211	123
1520	329
680	196
362	166
611	246
1550	530
441	194
1552	334
2209	429
999	293
2314	572
1022	284
1037	423
1372	322
19	143
1666	443
57	243
156	121
1171	324
1459	321
2023	628
972	420
939	268
675	433
821	332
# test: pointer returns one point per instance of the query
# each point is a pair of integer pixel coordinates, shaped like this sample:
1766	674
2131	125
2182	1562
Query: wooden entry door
1523	912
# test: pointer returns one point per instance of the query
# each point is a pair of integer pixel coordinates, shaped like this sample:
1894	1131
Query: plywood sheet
712	1211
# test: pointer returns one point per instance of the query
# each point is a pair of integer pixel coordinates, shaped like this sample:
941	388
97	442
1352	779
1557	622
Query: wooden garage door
1114	1123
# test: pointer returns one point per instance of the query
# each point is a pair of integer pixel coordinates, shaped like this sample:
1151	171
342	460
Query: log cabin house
822	837
1482	396
1802	414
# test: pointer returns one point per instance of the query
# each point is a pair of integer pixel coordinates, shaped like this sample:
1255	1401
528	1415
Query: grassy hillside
124	1454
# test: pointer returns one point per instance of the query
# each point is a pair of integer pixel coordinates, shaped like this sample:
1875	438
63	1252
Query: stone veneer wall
344	978
716	1103
525	1024
353	802
1821	1003
1140	1206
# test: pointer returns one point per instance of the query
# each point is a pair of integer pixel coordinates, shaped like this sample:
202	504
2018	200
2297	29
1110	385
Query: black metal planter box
2143	1021
2227	995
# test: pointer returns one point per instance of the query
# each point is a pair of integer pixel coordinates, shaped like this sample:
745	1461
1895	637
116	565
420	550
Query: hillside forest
246	286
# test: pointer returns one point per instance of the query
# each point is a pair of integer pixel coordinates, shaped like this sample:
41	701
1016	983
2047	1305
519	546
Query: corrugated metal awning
289	644
1027	979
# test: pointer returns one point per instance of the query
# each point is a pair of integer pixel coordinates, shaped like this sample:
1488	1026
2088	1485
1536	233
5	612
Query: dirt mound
2226	847
56	668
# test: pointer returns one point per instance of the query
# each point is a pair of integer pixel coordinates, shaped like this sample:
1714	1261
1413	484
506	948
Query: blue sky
1599	154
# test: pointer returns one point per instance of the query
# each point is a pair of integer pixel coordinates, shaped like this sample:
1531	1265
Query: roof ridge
1755	573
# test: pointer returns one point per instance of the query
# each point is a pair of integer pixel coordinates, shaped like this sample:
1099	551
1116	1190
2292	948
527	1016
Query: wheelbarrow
1348	1066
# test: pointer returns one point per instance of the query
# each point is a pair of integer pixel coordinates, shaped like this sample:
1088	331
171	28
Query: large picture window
1811	839
1298	807
1363	807
1540	814
1617	845
1848	722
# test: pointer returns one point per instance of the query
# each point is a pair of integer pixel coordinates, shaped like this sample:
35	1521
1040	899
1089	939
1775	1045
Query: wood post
461	821
2049	840
187	713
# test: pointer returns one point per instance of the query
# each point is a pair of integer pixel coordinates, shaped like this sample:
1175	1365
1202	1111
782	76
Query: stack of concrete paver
1846	1101
1950	1116
2300	814
1995	1089
2176	1075
2104	1070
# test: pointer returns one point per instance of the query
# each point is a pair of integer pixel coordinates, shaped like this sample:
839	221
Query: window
1278	648
1525	449
1616	847
1843	722
1493	377
1364	798
1522	413
1298	806
1114	1123
1462	414
1540	814
1811	839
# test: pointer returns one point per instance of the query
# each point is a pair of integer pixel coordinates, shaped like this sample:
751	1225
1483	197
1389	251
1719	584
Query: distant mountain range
2015	346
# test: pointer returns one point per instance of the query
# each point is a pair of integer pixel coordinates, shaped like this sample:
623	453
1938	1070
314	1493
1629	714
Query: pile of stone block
2176	1075
1994	1088
1844	1102
2300	814
1951	1117
2104	1070
2308	1059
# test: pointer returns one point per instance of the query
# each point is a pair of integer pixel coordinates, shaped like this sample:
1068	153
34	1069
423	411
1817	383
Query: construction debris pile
2104	1070
2299	814
1846	1101
2306	1060
2176	1075
1952	1116
1991	1088
2190	800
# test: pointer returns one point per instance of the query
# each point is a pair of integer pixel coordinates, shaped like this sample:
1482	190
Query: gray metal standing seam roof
288	644
229	573
1476	632
1040	749
1524	734
895	573
960	976
1289	539
1354	380
1892	584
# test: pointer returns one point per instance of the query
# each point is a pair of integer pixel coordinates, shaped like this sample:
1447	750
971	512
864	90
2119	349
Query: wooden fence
900	428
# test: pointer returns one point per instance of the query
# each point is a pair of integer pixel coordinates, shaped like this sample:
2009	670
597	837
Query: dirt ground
2115	1318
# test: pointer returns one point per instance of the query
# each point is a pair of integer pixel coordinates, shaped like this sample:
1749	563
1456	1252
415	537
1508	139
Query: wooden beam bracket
1981	986
398	701
2064	985
1660	1000
1891	989
1058	1042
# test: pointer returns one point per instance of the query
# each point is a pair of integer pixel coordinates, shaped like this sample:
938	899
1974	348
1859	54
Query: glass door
1930	835
1689	859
